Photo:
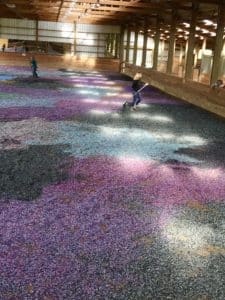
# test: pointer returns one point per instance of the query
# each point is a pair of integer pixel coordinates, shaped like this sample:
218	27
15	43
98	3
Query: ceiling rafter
60	8
121	11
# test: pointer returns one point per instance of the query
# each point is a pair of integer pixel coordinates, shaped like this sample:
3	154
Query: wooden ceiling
137	14
105	11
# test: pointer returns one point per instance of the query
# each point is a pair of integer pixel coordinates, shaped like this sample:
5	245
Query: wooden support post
181	54
185	57
196	55
128	45
204	45
111	44
144	54
135	48
107	44
121	44
156	46
73	52
191	43
162	49
181	63
172	42
223	51
117	45
46	47
98	44
216	67
36	34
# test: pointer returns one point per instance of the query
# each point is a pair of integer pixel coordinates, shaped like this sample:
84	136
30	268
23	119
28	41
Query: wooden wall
57	61
190	91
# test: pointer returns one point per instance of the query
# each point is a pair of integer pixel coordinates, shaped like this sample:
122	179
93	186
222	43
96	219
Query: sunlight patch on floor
110	131
163	136
86	92
208	173
101	87
97	112
161	118
133	164
193	139
104	102
90	100
187	238
105	83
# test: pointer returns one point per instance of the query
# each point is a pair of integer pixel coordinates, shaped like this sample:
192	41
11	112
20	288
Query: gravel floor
101	203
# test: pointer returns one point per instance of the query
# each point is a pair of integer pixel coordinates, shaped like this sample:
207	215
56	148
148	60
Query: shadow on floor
25	172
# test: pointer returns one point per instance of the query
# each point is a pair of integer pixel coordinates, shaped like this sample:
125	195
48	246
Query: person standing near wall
218	84
34	67
3	48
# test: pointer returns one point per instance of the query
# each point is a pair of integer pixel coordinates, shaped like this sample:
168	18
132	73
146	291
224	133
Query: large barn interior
101	200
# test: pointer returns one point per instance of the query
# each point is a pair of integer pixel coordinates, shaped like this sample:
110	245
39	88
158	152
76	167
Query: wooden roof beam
118	3
60	7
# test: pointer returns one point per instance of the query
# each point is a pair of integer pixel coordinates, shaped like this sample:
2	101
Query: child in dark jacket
137	85
34	67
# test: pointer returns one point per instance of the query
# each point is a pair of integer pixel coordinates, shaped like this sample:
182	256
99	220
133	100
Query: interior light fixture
205	30
186	24
96	5
11	5
208	22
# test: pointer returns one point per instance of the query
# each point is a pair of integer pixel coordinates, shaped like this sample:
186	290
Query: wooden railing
193	92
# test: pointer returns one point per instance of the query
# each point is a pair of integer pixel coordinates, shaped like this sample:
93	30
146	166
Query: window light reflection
187	238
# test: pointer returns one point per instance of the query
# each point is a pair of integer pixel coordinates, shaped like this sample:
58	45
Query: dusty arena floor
101	203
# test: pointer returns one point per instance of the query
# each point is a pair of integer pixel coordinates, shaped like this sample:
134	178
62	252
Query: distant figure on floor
3	48
34	67
218	84
137	86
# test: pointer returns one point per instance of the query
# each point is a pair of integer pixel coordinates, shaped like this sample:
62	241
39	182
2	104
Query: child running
137	86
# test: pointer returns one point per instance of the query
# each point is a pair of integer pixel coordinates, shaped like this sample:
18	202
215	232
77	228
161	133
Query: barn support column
156	46
128	44
135	47
191	43
218	43
172	42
